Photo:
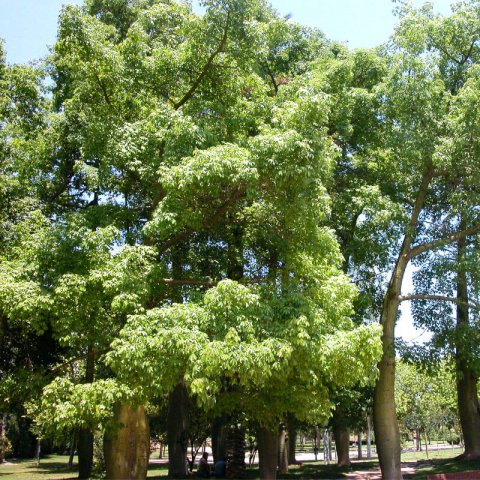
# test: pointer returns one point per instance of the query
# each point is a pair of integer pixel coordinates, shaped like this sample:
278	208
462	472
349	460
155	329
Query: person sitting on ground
220	467
203	470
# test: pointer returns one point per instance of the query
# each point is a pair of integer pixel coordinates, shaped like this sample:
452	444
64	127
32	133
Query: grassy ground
54	467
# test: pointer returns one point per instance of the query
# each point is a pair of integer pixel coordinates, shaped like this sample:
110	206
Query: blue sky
29	26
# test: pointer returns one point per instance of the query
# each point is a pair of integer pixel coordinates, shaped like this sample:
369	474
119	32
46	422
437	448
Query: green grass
52	467
445	465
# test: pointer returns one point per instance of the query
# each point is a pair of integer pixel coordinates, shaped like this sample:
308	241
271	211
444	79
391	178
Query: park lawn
444	465
52	467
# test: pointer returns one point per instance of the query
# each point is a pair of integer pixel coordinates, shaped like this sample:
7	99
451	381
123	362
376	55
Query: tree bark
467	393
369	437
38	450
3	436
235	451
177	432
267	453
282	451
360	446
73	447
127	449
219	439
342	444
292	439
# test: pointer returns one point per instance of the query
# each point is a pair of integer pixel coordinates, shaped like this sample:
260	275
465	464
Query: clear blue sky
29	26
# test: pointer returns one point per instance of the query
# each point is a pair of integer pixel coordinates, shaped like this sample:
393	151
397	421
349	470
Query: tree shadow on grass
424	468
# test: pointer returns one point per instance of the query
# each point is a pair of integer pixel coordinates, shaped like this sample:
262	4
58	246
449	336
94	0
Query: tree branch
206	68
453	237
441	298
190	281
206	225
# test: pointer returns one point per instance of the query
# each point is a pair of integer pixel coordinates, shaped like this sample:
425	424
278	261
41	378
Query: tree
425	401
425	80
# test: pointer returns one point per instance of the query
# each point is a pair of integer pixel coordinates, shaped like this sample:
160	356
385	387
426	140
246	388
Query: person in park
220	469
203	470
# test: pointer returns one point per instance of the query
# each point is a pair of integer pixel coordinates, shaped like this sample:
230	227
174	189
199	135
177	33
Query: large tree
429	74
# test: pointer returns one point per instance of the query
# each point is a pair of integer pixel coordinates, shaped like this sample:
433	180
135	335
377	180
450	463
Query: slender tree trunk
327	447
72	449
85	436
360	446
369	436
282	451
341	435
292	439
387	434
467	392
127	449
3	436
267	453
177	432
38	450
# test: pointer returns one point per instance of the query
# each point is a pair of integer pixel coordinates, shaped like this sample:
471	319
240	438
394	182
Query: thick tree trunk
282	452
235	451
292	439
85	436
85	453
342	444
127	449
219	439
467	393
267	453
177	432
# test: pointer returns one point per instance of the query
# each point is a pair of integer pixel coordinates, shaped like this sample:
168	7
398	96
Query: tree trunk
342	444
3	436
292	439
38	450
327	454
73	447
219	439
360	446
177	432
467	393
387	434
85	436
235	452
369	436
282	451
127	449
267	453
85	453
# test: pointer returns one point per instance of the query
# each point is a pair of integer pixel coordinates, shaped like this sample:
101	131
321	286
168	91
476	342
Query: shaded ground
54	467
